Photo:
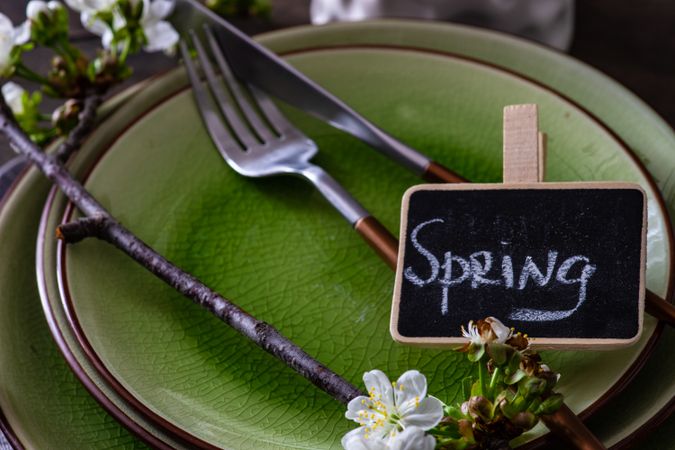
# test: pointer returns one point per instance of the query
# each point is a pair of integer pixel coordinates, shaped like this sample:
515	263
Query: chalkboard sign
562	262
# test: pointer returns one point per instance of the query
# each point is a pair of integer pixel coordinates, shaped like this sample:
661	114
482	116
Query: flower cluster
125	27
128	25
510	391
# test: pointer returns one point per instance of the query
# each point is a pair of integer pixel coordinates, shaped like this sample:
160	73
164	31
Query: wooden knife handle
654	305
567	425
379	238
436	173
659	308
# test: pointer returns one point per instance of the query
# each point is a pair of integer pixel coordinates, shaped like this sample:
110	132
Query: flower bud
533	386
466	430
524	420
65	117
480	407
14	97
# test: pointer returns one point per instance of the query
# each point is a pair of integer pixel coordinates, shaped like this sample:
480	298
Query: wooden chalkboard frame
535	342
524	152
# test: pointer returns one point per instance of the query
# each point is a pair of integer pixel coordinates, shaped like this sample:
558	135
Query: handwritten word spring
476	271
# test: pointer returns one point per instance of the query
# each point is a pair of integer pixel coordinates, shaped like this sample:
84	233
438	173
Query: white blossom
492	330
13	94
9	38
160	34
389	410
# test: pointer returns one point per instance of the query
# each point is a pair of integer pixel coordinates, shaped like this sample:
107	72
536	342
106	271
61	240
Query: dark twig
87	119
83	228
102	225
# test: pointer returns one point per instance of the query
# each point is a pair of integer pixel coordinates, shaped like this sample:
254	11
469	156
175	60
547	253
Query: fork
256	139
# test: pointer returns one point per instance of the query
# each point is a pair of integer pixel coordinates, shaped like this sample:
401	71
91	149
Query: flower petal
355	405
412	438
13	94
160	36
379	388
426	414
159	9
500	330
21	34
35	7
93	24
119	20
357	440
410	386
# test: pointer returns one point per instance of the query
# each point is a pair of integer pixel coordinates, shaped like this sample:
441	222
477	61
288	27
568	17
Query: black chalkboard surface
564	263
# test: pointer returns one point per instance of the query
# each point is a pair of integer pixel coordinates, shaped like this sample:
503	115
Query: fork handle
379	238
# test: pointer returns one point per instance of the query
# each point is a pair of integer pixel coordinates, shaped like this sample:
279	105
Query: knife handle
659	308
654	305
436	172
379	238
567	425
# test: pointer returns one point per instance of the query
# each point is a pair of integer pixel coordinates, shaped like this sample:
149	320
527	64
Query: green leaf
550	405
453	411
515	377
500	353
475	352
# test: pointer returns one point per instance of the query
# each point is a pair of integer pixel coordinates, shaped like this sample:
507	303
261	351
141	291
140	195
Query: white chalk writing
477	269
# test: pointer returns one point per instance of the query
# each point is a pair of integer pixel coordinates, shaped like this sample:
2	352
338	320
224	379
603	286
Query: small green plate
276	249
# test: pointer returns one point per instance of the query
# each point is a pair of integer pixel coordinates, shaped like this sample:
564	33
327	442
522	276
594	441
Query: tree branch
83	228
101	223
87	119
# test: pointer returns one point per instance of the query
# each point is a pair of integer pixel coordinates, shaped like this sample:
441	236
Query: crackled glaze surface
278	250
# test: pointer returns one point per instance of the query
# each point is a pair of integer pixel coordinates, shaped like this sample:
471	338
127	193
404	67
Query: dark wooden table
632	42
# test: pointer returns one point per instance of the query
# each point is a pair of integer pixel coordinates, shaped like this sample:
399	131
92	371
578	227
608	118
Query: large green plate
47	408
280	252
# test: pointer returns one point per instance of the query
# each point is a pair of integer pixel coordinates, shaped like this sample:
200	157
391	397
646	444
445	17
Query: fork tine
235	88
220	136
238	126
272	113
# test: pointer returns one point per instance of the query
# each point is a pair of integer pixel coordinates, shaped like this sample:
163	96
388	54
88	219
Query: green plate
280	252
47	408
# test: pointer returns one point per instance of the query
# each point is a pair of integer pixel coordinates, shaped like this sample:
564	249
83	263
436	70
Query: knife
267	71
264	69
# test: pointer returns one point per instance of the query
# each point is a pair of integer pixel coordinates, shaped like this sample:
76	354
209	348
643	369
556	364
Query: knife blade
267	71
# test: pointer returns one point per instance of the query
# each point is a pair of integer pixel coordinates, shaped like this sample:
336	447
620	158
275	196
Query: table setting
97	352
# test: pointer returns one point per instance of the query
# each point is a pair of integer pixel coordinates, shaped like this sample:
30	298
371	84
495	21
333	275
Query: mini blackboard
562	262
